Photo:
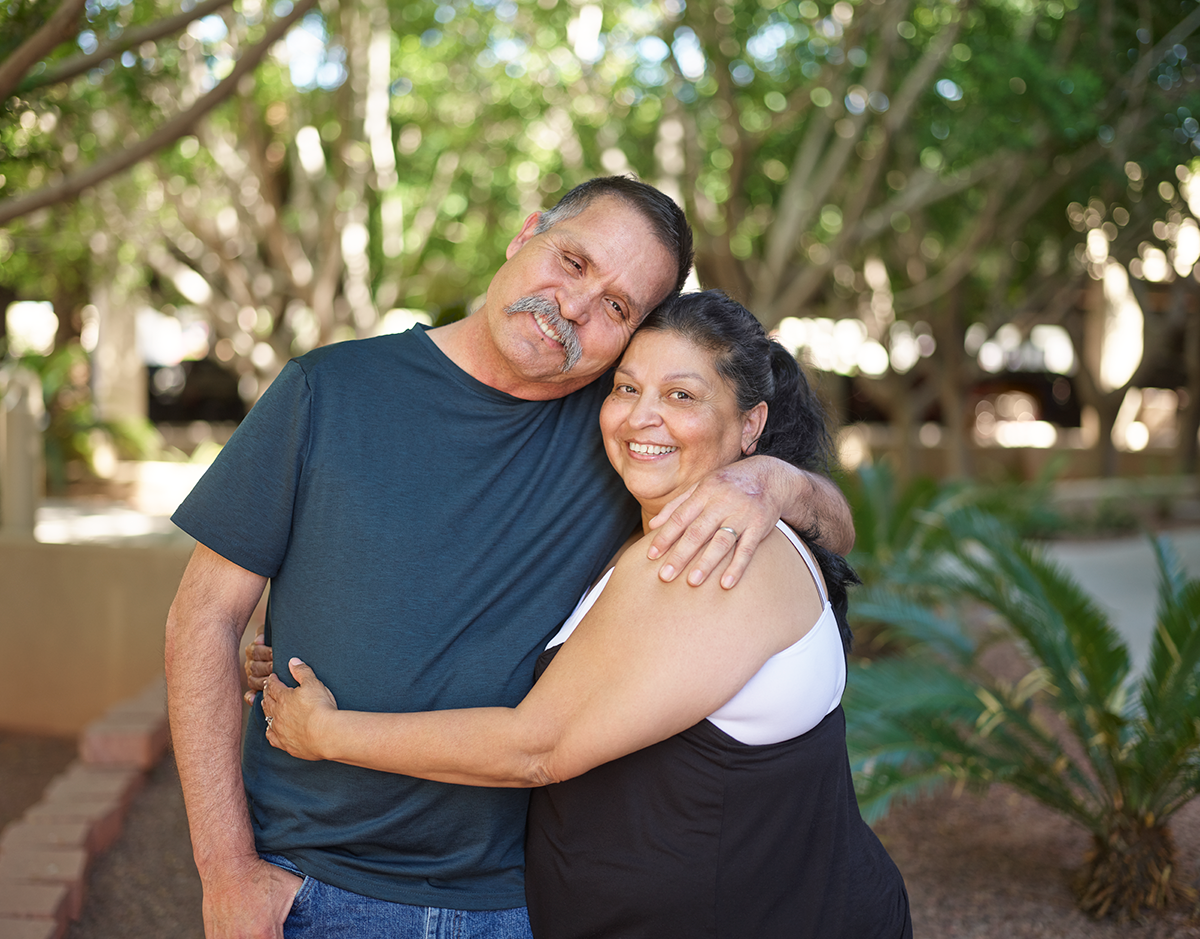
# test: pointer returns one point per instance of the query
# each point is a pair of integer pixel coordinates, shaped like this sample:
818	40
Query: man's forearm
818	505
206	734
204	700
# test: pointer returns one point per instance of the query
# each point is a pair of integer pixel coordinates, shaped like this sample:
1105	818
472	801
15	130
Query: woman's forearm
472	746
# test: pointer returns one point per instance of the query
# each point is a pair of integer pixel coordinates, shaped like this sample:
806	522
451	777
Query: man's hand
249	901
695	526
729	512
259	665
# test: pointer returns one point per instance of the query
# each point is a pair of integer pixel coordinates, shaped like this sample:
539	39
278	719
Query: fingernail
294	661
653	553
667	572
727	581
695	578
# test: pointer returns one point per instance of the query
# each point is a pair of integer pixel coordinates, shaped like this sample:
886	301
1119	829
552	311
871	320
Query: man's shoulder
387	348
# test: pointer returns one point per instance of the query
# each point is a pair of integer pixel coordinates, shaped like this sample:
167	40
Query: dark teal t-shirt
424	535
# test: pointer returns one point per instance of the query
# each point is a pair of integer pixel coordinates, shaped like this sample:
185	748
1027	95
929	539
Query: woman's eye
624	389
681	396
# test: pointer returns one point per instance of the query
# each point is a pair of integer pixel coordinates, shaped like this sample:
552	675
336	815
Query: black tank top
703	836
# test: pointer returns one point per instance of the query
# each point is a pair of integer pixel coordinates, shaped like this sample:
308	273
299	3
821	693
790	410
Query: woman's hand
259	664
295	715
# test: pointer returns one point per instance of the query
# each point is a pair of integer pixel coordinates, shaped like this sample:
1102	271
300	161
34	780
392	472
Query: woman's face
672	419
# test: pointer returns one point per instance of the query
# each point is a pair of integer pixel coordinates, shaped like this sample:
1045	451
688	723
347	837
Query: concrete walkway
1121	574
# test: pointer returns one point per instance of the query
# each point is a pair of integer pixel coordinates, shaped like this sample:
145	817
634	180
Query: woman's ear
752	427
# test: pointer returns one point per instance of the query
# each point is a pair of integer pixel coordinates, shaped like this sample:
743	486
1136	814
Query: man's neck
465	343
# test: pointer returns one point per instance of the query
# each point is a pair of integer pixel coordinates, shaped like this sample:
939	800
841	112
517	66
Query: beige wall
81	627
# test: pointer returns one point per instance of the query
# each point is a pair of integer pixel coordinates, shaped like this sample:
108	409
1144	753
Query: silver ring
728	529
269	719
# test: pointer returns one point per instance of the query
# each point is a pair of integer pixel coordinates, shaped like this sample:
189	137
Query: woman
689	740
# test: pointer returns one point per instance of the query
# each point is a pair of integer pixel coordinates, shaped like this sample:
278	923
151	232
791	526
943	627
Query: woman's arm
650	660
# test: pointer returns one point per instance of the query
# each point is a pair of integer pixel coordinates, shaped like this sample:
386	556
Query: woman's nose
645	413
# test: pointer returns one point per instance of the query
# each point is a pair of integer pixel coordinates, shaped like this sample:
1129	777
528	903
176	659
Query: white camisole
793	691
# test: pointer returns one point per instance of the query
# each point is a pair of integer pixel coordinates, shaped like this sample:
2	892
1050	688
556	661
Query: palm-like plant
1077	732
891	519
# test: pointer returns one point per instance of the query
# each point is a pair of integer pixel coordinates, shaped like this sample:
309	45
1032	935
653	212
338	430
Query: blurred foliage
915	165
894	519
1116	753
73	431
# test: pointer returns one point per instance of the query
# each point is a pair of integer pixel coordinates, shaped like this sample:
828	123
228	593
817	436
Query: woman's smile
650	449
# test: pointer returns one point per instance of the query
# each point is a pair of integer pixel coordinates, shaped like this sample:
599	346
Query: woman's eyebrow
679	376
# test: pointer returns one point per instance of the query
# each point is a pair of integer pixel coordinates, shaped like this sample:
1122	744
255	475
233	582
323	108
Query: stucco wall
81	628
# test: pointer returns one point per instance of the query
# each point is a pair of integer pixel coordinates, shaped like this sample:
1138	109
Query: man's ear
752	427
527	231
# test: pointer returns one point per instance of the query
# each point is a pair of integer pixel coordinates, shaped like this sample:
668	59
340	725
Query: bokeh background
975	222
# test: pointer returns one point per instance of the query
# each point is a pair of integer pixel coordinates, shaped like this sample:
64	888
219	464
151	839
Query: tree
903	168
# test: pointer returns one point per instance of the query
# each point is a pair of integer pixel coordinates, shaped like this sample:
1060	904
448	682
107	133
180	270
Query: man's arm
749	496
244	896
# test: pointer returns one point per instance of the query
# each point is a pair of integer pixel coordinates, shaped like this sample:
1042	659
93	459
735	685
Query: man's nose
573	304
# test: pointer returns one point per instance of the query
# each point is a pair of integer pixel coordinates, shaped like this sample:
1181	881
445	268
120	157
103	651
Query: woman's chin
653	499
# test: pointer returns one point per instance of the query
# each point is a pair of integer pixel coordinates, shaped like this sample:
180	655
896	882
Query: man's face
564	305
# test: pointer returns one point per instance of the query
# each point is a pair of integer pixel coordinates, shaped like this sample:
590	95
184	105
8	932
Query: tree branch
77	64
60	27
171	131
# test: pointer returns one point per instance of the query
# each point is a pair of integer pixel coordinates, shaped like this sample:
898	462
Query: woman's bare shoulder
776	585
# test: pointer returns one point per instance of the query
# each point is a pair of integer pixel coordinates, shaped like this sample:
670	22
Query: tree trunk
953	387
1129	870
1189	419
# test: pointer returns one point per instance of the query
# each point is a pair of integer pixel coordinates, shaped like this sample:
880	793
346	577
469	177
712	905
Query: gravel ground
999	866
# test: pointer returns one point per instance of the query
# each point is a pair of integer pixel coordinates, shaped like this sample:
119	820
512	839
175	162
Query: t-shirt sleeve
242	506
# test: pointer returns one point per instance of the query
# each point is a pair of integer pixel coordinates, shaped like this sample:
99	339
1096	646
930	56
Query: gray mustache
548	309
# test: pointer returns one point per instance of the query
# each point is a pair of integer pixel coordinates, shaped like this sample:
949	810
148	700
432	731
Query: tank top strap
808	558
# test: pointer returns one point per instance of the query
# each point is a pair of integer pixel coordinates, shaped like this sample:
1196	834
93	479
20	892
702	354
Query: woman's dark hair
758	368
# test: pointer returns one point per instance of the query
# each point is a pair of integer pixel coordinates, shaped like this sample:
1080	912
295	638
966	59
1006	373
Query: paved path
1122	575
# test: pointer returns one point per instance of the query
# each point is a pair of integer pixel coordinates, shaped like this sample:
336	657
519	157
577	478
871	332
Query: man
429	506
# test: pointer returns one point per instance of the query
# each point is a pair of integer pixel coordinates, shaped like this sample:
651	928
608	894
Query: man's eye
575	264
617	308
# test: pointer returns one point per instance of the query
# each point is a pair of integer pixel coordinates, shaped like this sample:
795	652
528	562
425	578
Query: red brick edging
45	855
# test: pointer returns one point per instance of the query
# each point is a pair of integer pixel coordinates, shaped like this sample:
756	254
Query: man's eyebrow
570	244
634	310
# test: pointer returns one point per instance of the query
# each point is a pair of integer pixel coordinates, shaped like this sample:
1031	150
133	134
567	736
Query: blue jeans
321	910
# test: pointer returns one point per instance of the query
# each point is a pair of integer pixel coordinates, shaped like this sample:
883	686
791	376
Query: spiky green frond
915	622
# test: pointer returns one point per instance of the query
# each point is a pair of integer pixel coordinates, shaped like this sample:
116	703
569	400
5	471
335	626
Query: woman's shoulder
775	582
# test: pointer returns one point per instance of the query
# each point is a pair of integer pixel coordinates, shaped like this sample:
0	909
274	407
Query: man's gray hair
666	219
